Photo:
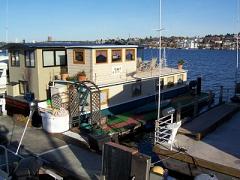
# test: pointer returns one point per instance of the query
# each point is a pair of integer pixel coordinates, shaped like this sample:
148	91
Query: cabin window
136	89
116	55
15	58
78	56
157	84
170	81
180	79
23	87
101	56
29	59
104	96
130	54
54	58
60	58
48	58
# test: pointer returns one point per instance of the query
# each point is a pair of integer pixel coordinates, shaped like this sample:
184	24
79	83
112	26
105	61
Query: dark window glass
101	56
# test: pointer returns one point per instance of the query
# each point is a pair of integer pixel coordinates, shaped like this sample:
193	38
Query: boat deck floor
70	160
208	121
218	151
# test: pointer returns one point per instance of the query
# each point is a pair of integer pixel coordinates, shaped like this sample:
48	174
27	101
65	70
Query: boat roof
63	44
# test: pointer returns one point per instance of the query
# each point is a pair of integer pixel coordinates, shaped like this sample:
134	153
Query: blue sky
96	19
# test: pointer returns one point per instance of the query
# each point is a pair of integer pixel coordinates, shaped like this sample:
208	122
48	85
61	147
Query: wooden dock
217	153
209	121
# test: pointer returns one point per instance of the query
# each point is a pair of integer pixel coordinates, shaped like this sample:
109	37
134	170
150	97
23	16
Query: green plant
181	62
71	78
81	73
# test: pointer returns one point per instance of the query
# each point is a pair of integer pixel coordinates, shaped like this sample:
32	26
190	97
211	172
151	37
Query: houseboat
116	81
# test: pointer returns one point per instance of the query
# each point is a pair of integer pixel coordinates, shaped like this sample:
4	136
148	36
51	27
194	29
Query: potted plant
64	74
81	76
180	64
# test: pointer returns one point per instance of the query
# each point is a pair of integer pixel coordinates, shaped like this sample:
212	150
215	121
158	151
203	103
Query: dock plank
207	122
217	152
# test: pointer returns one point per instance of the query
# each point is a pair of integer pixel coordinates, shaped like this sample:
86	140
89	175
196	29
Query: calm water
216	67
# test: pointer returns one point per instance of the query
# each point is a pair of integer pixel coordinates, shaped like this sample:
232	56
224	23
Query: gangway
166	130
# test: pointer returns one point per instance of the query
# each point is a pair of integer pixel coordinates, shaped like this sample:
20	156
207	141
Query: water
216	67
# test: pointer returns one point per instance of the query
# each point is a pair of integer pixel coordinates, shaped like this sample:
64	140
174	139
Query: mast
237	46
6	27
160	55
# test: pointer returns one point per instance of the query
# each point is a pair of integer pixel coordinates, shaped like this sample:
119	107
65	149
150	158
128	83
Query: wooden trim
197	161
119	61
106	91
76	61
96	56
133	54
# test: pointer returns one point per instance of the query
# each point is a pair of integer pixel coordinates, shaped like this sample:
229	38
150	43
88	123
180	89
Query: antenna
160	55
237	36
6	27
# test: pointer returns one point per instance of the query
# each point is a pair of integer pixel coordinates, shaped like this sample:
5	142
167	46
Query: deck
208	121
146	74
218	151
65	157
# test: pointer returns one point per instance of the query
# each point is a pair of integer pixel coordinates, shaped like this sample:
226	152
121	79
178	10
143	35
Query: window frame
74	55
54	57
25	55
11	58
96	56
180	81
134	55
121	57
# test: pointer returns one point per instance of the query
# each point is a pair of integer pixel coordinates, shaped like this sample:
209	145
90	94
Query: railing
166	130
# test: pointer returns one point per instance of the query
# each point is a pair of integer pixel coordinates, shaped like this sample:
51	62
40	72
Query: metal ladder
166	130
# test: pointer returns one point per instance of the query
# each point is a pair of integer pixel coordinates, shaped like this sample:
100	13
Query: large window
116	55
170	81
101	56
78	57
130	54
29	59
54	58
60	58
15	58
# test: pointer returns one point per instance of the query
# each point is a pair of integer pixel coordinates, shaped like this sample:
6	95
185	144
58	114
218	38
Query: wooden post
195	107
221	95
178	113
210	99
